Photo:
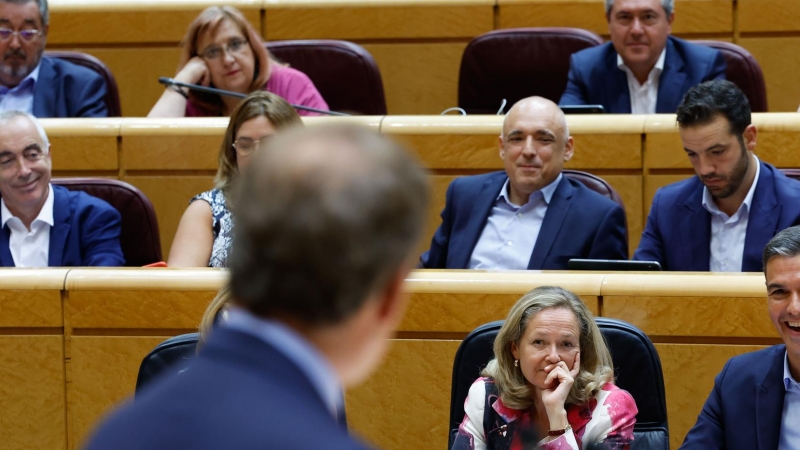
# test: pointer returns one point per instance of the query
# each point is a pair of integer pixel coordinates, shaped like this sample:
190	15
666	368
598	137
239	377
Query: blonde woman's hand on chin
559	381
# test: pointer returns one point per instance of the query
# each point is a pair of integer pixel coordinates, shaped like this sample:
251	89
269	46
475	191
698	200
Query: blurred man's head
639	31
534	145
782	273
23	34
326	219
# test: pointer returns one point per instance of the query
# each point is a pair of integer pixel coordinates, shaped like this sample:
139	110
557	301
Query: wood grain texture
378	21
125	27
653	182
187	152
606	151
32	392
768	15
689	372
102	372
777	57
693	316
589	15
82	153
30	308
137	82
629	187
170	196
381	411
419	78
439	184
449	312
121	309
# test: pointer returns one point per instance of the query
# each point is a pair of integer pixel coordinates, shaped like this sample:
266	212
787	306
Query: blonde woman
553	373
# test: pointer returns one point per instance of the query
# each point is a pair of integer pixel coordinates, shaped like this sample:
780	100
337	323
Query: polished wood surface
65	366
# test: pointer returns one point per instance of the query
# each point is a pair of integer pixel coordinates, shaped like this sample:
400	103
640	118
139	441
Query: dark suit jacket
64	89
678	230
595	79
239	393
85	232
744	410
579	223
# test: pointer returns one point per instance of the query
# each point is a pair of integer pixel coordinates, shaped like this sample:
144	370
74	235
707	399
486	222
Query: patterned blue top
221	224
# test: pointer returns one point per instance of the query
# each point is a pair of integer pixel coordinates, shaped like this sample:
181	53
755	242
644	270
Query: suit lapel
5	251
694	231
556	212
670	84
476	213
619	96
60	229
762	219
43	93
769	404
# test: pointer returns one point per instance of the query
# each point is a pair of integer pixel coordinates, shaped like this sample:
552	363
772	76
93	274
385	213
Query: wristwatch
554	433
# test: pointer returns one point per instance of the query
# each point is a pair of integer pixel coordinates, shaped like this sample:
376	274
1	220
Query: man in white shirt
45	225
722	218
643	70
755	403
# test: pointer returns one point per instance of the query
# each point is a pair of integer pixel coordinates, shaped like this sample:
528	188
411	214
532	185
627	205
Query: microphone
166	81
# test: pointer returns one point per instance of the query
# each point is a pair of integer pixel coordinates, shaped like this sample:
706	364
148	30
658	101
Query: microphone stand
171	82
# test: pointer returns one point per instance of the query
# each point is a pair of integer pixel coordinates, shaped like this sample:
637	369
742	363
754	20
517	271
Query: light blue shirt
728	233
510	234
20	97
301	352
790	421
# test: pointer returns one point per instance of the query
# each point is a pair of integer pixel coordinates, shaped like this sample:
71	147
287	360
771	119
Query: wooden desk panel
777	56
91	146
377	19
768	16
653	182
630	188
172	144
102	371
32	391
102	23
384	411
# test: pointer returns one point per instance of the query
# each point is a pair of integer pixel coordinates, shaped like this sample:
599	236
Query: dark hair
325	217
44	13
785	244
258	104
704	102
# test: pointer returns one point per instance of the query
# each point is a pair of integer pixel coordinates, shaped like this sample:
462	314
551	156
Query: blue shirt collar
295	347
27	82
788	381
546	192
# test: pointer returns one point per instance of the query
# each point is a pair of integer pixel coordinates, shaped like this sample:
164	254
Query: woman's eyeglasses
244	146
234	46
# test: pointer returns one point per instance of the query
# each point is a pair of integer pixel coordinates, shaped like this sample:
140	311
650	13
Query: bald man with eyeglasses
42	85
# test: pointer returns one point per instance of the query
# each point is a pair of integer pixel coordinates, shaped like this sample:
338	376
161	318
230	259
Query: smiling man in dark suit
755	403
530	216
643	70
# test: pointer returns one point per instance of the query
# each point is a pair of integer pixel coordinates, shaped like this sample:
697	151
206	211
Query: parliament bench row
71	341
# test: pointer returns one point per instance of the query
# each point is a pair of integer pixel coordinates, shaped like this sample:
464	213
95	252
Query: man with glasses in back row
42	86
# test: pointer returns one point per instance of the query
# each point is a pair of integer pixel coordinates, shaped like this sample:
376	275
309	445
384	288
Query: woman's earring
516	363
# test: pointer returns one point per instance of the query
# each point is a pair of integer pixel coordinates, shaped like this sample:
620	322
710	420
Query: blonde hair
258	104
214	308
207	22
596	368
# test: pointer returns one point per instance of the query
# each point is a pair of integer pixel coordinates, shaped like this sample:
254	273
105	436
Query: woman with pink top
222	50
552	374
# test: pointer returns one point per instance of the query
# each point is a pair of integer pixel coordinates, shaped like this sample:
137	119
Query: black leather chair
600	186
94	64
636	363
743	71
516	63
344	73
139	238
169	356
